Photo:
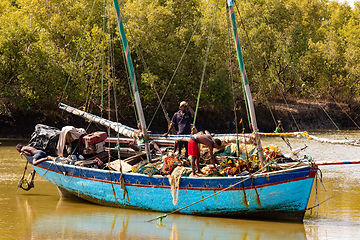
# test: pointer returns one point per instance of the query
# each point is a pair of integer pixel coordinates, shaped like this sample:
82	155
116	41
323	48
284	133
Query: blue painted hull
281	195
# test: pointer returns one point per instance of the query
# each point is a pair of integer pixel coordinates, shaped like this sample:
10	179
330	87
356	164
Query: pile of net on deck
242	159
165	166
232	160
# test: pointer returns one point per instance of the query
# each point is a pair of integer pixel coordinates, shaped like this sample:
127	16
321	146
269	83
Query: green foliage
54	51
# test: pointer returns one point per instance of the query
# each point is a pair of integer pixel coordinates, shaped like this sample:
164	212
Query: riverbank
299	115
302	115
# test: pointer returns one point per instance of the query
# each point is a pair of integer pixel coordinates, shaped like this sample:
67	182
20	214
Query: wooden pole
132	77
338	162
245	82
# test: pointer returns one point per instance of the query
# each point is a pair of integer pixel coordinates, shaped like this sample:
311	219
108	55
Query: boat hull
281	195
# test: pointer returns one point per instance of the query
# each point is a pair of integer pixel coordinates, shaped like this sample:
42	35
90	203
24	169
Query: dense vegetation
69	51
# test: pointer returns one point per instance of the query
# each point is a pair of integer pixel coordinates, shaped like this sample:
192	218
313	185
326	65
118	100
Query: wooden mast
230	4
132	77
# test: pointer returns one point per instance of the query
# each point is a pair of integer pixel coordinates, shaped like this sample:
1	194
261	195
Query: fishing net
175	179
147	168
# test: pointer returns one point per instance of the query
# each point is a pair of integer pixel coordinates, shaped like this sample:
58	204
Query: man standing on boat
183	119
194	149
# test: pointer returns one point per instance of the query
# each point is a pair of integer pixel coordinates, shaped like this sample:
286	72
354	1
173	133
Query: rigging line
205	61
201	200
151	81
129	82
322	182
64	173
316	195
182	56
253	65
344	111
108	87
110	79
130	89
283	96
114	83
282	93
241	84
91	87
103	61
327	114
121	179
318	204
114	90
232	77
313	95
128	79
290	65
112	63
117	119
78	51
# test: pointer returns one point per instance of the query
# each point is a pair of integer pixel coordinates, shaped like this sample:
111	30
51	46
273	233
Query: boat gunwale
256	175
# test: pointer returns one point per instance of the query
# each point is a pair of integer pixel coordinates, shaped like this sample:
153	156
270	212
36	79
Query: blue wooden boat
277	195
281	195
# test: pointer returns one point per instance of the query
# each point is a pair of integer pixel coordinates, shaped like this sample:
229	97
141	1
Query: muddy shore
295	116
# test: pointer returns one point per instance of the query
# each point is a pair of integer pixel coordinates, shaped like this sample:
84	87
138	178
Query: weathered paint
283	195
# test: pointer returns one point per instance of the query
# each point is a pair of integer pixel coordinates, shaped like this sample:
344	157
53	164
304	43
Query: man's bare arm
170	127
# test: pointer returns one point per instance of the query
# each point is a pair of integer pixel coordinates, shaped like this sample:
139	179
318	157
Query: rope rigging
324	110
232	86
205	62
78	51
151	81
178	65
96	66
103	61
282	94
253	65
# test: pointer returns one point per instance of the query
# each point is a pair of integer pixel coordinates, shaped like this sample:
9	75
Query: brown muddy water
41	214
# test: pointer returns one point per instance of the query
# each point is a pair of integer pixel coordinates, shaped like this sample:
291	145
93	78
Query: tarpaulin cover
45	138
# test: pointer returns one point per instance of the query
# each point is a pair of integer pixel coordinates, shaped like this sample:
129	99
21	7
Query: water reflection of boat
66	221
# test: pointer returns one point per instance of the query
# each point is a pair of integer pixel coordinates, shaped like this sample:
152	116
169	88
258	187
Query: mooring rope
329	198
318	204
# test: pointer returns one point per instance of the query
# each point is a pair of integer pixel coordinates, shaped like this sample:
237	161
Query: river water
41	214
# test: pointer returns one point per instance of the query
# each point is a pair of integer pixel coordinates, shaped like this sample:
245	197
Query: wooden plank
115	165
135	159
